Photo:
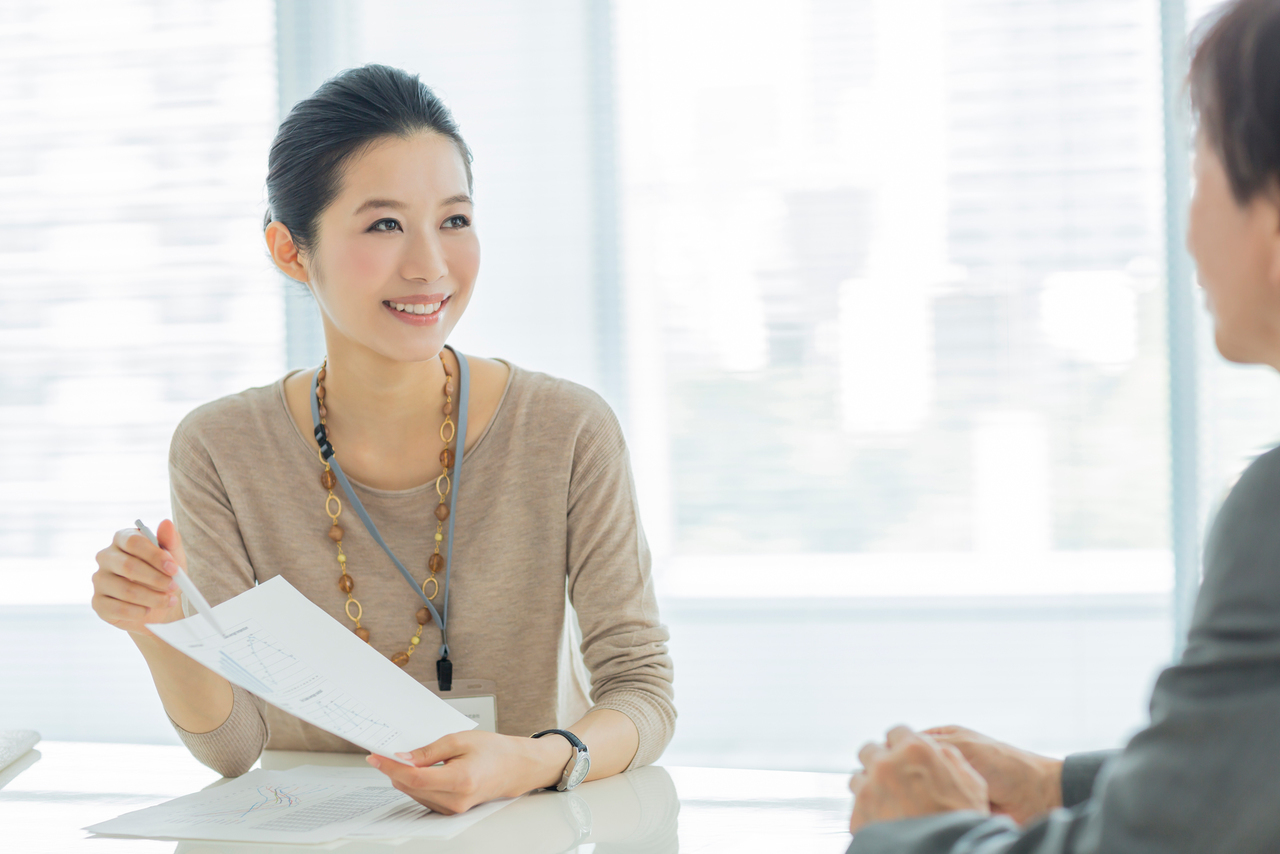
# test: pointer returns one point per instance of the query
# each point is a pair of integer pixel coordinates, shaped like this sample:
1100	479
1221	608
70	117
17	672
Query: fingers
139	572
114	611
440	750
121	588
871	753
858	782
171	541
447	789
131	541
900	735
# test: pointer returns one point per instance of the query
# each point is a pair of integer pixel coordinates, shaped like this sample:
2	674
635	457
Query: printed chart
268	806
282	647
257	661
306	804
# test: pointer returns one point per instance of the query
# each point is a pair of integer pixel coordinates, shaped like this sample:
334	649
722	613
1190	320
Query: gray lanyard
444	667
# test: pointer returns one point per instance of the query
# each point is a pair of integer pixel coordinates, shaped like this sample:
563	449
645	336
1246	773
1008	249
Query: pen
184	581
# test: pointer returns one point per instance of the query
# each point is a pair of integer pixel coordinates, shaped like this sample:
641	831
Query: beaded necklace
333	508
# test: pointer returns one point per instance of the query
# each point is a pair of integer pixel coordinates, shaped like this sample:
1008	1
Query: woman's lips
413	319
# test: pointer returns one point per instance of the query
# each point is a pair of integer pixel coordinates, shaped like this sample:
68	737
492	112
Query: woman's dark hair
346	114
1235	91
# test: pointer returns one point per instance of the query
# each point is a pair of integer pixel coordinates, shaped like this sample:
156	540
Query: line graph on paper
261	801
259	662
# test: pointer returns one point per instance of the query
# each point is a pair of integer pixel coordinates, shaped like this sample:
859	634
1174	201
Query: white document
310	804
284	648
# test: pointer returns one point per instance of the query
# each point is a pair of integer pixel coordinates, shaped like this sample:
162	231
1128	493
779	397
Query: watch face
580	769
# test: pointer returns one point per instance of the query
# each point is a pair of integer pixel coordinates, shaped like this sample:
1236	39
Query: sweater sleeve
219	566
624	645
1080	772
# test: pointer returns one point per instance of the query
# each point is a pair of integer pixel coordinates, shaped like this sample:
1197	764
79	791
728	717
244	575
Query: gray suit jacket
1204	777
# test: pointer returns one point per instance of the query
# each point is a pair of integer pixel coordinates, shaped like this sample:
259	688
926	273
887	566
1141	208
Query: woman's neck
377	403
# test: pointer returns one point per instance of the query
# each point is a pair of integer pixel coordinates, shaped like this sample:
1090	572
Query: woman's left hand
478	767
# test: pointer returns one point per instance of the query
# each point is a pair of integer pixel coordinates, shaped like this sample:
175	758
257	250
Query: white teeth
425	308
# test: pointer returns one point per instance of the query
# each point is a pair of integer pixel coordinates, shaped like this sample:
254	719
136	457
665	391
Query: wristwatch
580	763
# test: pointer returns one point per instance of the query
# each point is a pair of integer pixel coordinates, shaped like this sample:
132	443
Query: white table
60	787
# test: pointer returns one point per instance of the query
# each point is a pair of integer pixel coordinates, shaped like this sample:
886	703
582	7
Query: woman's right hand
134	584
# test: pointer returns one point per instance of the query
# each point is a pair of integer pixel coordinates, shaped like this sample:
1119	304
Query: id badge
475	698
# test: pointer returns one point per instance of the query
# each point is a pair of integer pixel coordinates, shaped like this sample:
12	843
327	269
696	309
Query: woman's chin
1236	348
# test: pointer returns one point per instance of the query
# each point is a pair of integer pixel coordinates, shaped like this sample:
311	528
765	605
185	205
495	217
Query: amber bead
335	533
446	458
328	479
363	634
442	511
424	616
320	392
323	373
346	583
400	659
448	387
435	563
448	408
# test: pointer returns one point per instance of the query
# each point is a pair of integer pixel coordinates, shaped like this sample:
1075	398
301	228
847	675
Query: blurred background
924	412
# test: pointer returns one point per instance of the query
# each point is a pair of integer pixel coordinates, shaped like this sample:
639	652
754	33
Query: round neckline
393	493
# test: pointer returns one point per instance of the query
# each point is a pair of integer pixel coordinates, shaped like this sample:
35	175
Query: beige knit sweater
546	528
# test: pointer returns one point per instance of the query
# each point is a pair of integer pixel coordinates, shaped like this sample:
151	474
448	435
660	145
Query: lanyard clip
444	674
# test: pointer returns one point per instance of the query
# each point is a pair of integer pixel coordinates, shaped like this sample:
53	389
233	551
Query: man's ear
284	252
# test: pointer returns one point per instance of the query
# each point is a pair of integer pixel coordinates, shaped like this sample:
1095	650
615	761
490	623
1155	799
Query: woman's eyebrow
380	203
460	198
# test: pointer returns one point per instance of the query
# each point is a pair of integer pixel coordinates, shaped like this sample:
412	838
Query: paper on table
410	820
309	804
264	806
284	648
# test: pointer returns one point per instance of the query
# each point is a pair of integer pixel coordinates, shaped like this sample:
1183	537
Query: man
1205	775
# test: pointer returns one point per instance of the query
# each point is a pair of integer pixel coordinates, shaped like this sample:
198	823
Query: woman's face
396	253
1237	253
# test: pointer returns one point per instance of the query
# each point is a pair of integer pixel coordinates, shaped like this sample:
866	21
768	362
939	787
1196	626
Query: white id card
475	698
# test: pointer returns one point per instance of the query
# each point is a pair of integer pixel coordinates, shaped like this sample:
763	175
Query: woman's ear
285	252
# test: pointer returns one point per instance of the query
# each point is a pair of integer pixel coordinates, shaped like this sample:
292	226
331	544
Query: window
877	288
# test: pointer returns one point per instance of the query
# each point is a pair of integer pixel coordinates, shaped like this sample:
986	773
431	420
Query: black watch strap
577	767
573	739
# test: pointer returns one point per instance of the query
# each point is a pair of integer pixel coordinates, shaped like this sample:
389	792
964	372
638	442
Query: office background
880	290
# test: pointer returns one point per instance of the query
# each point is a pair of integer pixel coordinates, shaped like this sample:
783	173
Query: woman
1202	777
369	188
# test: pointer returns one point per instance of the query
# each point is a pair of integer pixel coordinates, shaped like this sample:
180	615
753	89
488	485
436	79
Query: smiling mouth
417	309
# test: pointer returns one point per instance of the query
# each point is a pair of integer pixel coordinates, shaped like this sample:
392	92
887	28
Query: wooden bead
346	583
442	511
320	392
435	563
448	387
335	533
446	458
324	413
424	616
400	659
448	407
363	634
328	479
323	373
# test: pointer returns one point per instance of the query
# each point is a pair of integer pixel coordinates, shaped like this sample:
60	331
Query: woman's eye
385	225
457	221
